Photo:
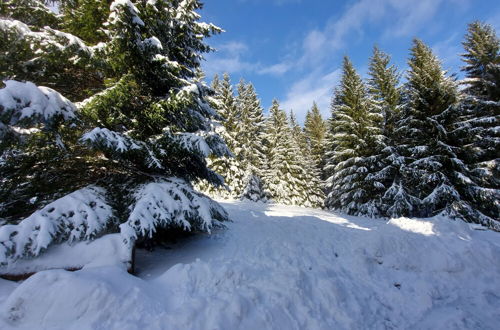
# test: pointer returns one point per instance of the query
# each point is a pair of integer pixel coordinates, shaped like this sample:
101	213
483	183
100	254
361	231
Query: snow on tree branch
26	100
81	215
170	202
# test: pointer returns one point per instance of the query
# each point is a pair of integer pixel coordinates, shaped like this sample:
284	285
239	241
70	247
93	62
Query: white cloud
228	58
315	87
276	69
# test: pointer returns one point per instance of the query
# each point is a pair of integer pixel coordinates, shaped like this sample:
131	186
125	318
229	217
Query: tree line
427	146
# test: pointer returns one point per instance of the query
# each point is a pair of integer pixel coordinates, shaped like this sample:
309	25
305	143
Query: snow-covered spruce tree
476	131
33	48
315	129
311	184
429	160
250	128
125	158
230	167
282	174
384	90
355	138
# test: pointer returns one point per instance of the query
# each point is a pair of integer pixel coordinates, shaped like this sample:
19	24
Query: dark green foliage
355	137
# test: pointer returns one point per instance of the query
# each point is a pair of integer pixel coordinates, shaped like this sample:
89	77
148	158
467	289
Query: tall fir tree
310	176
231	167
384	90
123	159
476	131
282	172
423	131
251	126
355	134
315	129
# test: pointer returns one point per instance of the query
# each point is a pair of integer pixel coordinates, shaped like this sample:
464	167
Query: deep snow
281	267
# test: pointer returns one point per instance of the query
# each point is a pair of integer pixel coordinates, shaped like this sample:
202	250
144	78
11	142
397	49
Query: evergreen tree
355	134
282	173
315	131
383	85
476	132
34	49
124	161
311	184
423	131
249	139
230	167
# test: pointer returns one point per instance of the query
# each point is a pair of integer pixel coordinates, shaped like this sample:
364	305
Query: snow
26	100
82	214
169	202
281	267
104	251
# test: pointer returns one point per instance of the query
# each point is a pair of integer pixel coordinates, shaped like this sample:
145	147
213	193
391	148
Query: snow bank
104	251
280	267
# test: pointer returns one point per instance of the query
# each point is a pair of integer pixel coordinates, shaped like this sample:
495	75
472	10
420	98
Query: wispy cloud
396	18
229	58
316	86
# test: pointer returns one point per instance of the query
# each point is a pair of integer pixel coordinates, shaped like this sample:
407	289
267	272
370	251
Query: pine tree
476	130
282	173
232	167
124	161
315	131
249	139
34	49
429	159
383	85
355	134
309	176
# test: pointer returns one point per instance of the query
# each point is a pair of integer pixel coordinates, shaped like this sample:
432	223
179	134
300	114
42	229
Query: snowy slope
281	267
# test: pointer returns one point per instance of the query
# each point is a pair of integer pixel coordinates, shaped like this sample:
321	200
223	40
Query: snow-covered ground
281	267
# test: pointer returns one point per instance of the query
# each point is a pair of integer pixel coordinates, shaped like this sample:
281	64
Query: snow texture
104	251
81	215
281	267
26	100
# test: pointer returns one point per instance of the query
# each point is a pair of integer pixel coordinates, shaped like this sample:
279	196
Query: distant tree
282	172
315	129
309	176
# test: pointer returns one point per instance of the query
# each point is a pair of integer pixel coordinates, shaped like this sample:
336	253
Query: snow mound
282	267
104	251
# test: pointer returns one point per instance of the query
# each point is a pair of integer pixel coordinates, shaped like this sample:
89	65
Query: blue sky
292	49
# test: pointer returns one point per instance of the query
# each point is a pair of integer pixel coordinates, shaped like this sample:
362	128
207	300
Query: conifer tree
355	133
282	172
315	131
250	129
230	167
429	160
123	159
384	90
476	132
310	177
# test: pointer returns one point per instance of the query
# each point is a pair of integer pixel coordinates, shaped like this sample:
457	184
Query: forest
109	126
